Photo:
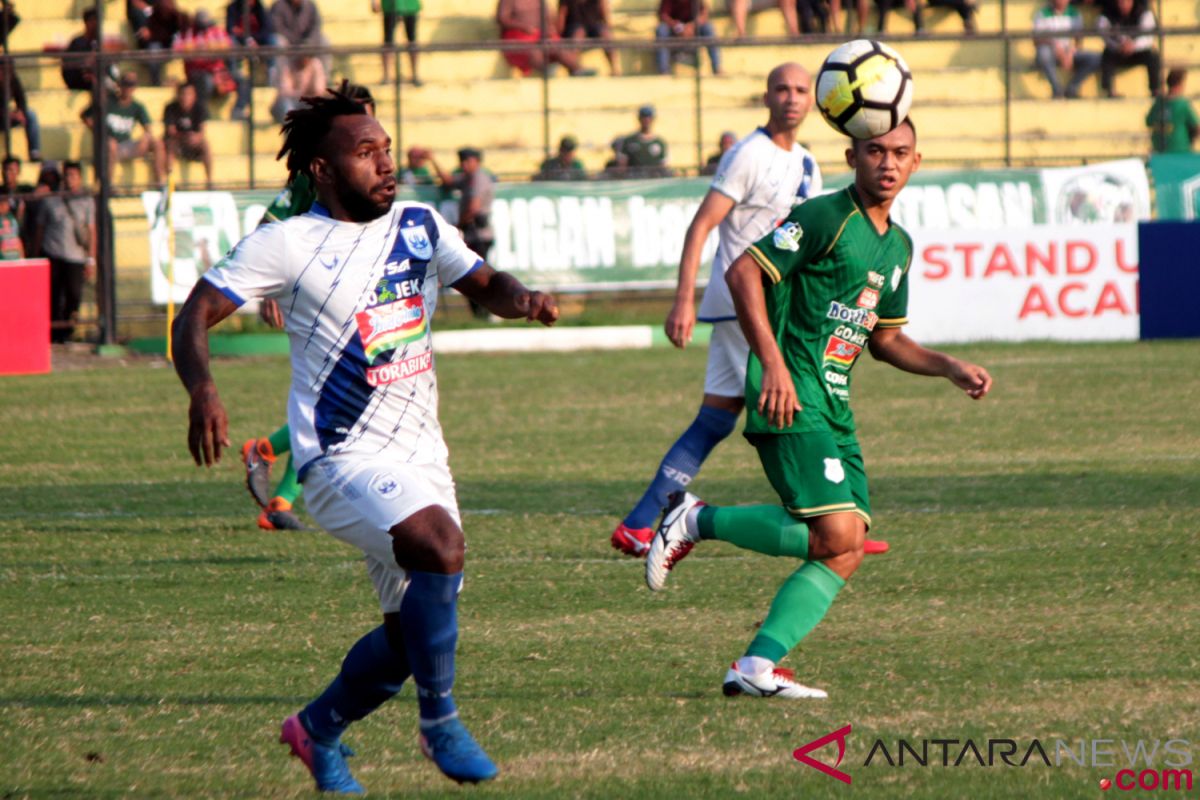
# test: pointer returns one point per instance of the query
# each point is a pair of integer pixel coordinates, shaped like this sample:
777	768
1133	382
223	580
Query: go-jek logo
801	754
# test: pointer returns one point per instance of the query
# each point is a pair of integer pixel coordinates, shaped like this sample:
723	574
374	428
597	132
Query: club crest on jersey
868	298
417	241
385	327
875	279
385	485
787	236
897	274
834	471
841	353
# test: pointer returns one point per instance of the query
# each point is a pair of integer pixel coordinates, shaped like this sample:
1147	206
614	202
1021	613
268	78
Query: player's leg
724	385
278	515
259	455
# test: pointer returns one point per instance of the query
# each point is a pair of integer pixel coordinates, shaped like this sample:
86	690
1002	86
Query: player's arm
682	318
777	401
893	346
505	296
208	424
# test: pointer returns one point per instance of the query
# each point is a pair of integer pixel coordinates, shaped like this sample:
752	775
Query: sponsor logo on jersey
385	485
897	274
854	316
841	353
393	287
836	378
875	279
868	298
834	471
850	335
418	241
787	237
386	327
399	370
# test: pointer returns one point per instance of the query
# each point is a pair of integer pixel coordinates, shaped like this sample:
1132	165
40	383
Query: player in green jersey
829	281
260	453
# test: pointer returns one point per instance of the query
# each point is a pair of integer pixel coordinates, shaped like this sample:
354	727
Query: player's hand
777	401
971	378
268	311
681	321
538	307
208	426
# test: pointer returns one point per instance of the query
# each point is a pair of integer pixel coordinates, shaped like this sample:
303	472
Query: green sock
764	529
797	608
289	486
281	440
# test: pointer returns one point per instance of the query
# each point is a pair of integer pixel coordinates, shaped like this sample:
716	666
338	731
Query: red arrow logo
801	753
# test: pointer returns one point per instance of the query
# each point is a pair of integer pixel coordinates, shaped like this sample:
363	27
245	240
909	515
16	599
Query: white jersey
765	182
356	299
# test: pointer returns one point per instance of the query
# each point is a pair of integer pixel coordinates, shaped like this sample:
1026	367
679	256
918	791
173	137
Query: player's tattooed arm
777	400
893	346
208	424
505	296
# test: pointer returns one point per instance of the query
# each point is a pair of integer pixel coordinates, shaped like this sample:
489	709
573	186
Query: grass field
1043	583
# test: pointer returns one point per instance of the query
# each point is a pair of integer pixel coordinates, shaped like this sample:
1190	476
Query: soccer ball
864	89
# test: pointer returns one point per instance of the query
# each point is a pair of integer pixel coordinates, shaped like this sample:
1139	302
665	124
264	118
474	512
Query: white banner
1061	282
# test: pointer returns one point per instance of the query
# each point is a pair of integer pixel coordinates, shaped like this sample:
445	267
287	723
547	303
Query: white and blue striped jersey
357	299
765	182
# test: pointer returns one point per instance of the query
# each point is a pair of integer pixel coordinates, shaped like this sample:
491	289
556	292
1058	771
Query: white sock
754	665
690	521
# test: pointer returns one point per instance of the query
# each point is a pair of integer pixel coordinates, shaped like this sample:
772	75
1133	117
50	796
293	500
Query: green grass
1042	583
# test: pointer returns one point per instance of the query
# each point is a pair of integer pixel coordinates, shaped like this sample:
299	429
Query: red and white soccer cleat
632	541
672	541
777	682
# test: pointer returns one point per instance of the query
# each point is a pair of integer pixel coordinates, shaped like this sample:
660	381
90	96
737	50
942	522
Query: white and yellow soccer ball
864	89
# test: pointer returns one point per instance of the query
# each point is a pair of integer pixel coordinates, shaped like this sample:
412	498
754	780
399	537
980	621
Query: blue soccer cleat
456	753
327	764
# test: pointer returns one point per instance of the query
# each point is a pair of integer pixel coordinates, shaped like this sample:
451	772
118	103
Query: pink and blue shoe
326	763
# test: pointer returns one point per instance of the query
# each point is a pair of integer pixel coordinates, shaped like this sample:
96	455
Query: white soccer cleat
777	682
671	540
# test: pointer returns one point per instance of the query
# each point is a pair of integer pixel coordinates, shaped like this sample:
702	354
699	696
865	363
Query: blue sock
372	673
429	621
682	462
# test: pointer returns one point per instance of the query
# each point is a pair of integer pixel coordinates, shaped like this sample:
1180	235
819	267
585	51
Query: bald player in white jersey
356	279
757	184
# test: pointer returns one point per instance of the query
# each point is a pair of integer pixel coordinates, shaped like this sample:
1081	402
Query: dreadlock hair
305	127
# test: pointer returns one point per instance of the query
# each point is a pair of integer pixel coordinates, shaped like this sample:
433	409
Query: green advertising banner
629	234
1176	185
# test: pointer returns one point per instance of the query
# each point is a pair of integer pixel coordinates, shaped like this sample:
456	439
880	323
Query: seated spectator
522	21
298	22
13	189
183	131
1061	18
65	233
295	78
393	12
476	188
645	153
212	75
165	23
687	19
1128	31
252	30
728	139
21	115
564	166
124	116
78	73
417	173
739	10
964	8
1172	121
616	167
11	246
590	18
49	181
884	10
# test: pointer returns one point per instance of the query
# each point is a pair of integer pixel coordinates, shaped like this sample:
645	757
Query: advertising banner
1176	185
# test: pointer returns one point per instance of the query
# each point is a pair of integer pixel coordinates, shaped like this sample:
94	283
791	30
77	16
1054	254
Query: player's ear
851	156
321	170
916	161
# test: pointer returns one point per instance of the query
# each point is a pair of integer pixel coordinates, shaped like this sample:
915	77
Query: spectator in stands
1172	119
590	18
303	76
77	73
297	22
477	189
212	75
183	131
252	30
1128	31
563	166
617	166
728	139
687	19
884	9
396	11
65	233
645	152
522	21
739	10
165	23
124	116
964	8
48	181
417	173
21	115
13	189
1062	49
11	246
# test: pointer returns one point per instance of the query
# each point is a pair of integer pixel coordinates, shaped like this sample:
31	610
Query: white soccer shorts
725	375
358	500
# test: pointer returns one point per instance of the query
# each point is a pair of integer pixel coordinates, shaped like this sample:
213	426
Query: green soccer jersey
833	279
295	199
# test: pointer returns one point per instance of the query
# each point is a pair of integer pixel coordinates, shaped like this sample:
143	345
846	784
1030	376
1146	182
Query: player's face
358	167
788	96
883	165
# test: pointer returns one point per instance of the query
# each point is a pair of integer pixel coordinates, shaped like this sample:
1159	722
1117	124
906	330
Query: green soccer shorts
814	475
